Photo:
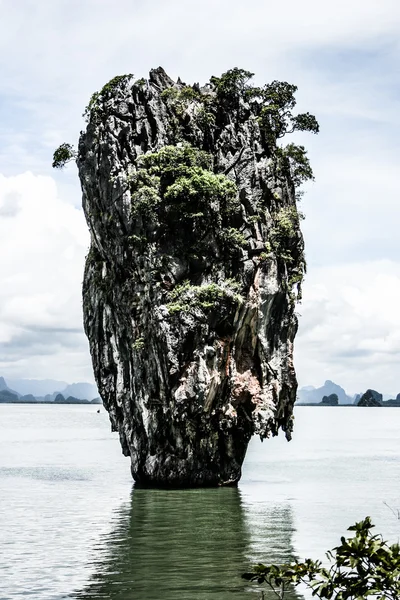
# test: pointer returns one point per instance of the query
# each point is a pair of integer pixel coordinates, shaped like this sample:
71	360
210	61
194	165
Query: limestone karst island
195	267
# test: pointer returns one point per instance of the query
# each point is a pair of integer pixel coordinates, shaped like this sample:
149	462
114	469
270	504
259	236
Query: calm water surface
72	525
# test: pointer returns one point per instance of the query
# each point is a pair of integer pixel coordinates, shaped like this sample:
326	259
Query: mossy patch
186	297
177	196
110	89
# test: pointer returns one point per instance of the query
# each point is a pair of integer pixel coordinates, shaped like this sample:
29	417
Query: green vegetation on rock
295	163
186	297
284	233
232	86
177	192
107	91
179	195
232	91
274	104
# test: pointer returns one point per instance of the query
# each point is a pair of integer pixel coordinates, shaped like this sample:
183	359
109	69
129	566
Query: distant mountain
392	402
331	400
28	398
374	398
370	398
7	396
376	395
82	391
330	394
71	400
46	390
4	387
310	395
36	387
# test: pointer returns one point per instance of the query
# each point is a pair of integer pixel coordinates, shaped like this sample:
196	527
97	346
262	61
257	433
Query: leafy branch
362	566
63	155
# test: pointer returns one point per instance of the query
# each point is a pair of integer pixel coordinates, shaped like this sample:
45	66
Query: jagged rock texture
186	390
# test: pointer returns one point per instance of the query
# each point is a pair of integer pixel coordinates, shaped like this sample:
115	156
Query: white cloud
43	241
350	327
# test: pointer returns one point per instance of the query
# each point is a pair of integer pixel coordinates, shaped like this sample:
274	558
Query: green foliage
231	85
178	99
274	103
170	93
279	94
137	240
118	82
145	196
286	226
296	162
173	161
146	201
189	93
205	118
362	566
185	94
186	297
63	155
263	256
196	190
138	344
277	102
175	191
233	238
305	122
296	277
283	240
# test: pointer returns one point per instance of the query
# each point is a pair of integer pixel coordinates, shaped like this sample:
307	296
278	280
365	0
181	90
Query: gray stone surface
186	391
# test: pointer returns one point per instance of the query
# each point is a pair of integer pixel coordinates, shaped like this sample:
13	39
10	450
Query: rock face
370	398
331	400
190	284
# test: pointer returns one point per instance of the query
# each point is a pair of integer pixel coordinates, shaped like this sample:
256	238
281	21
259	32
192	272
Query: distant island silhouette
332	394
36	391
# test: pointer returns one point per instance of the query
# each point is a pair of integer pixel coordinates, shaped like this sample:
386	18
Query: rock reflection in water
183	545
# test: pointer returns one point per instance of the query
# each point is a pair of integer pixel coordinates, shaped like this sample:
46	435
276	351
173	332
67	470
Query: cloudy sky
344	57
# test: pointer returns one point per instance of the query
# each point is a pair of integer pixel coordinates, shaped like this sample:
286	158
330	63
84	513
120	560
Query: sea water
73	526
